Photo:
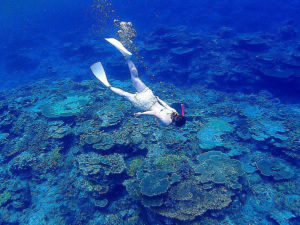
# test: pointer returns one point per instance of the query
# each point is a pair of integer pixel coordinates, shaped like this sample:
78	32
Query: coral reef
102	164
73	153
175	187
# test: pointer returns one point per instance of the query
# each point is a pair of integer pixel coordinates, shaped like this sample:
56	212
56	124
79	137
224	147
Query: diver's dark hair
179	120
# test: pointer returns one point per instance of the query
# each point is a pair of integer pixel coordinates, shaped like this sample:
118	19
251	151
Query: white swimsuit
144	100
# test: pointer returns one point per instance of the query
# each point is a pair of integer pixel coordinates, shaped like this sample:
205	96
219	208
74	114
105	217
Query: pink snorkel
182	110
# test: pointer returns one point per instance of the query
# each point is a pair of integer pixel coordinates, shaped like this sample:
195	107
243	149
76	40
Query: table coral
276	168
173	185
210	135
70	106
217	167
81	159
155	184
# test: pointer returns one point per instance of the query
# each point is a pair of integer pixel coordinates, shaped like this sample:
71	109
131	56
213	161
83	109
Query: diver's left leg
136	81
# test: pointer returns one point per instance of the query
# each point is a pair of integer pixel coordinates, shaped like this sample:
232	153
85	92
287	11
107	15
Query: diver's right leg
122	93
136	81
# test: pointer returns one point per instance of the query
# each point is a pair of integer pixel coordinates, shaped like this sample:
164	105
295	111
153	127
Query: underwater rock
172	180
91	138
173	138
92	187
87	126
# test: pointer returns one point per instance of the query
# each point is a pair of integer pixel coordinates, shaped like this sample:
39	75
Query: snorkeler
143	99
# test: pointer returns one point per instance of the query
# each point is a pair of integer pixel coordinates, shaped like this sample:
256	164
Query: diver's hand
137	114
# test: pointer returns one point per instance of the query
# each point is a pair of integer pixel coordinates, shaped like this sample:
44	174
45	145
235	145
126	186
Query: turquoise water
72	151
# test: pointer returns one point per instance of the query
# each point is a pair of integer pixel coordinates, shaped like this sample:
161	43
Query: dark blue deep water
72	151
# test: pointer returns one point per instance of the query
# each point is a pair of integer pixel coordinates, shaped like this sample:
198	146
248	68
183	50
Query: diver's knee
130	97
134	72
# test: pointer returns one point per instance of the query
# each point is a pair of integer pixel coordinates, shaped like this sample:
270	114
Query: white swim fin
99	72
119	46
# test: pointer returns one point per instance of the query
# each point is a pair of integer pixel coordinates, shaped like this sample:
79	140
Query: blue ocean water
72	151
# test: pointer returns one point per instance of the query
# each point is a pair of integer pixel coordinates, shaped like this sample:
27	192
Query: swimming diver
143	99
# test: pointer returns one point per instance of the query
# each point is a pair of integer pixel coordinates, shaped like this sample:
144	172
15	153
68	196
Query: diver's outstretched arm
151	113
